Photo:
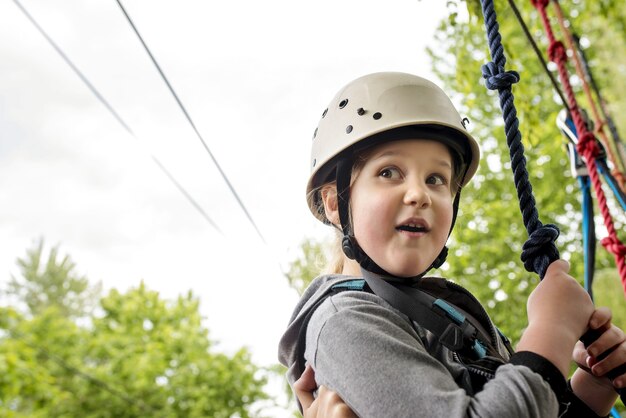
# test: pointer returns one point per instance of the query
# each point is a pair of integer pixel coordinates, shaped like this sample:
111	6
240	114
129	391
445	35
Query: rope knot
539	250
540	3
557	52
613	245
496	78
587	146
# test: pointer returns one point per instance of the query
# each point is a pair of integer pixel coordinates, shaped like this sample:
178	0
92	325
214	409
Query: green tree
488	238
486	244
32	382
140	355
159	353
51	282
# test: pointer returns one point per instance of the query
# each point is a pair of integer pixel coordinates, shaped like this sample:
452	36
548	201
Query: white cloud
254	76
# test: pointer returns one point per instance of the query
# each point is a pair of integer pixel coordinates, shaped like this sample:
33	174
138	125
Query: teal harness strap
356	284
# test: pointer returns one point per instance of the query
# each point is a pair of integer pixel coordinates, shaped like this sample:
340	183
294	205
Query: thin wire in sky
182	108
111	110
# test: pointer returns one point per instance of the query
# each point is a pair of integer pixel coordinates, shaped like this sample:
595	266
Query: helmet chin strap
350	246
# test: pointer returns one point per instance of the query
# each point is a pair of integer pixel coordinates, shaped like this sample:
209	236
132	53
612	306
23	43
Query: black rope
540	249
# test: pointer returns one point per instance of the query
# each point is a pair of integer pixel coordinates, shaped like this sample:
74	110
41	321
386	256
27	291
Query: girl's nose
417	195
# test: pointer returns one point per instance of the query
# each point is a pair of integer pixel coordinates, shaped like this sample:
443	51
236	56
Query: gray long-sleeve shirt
384	365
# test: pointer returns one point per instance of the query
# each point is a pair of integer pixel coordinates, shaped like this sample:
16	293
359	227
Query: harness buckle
452	338
460	333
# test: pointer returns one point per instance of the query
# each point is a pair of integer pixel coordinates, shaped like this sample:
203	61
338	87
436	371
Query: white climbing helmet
379	103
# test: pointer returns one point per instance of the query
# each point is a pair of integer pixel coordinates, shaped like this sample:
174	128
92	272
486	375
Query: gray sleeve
375	360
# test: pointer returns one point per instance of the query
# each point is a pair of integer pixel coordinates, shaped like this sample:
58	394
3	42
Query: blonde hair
336	257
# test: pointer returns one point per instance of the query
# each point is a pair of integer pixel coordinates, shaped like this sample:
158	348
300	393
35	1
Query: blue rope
540	248
589	236
601	163
610	180
589	244
588	225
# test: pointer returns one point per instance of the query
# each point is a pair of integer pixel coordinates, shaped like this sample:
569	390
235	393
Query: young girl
389	159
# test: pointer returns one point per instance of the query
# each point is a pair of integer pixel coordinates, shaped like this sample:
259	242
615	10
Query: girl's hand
607	352
560	302
589	382
304	388
328	404
559	310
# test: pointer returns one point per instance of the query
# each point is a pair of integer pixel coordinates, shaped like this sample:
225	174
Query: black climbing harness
471	347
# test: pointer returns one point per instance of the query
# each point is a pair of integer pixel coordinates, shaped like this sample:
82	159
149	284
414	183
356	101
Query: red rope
611	147
587	143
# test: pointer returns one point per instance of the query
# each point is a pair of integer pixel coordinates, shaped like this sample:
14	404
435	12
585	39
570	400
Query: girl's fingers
312	411
580	356
306	399
304	387
616	358
328	403
601	317
611	337
620	381
331	405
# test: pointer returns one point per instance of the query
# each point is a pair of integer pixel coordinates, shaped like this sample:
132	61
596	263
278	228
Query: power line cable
182	108
186	194
106	104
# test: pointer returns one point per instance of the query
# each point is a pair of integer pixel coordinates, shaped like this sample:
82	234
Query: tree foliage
486	244
51	282
140	355
488	238
311	260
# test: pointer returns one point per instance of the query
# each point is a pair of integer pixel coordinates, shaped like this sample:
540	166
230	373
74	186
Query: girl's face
401	204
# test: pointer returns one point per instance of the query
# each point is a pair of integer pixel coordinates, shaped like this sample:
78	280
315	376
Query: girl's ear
331	206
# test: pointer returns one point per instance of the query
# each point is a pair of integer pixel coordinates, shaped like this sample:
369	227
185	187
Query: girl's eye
390	173
437	180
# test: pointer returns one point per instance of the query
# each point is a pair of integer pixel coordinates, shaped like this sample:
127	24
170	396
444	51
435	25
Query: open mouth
412	228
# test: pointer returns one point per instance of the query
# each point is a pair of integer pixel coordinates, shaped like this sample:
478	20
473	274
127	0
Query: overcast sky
254	76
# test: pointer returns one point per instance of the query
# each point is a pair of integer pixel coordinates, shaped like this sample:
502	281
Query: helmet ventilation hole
343	103
325	112
348	129
314	162
360	111
377	115
315	133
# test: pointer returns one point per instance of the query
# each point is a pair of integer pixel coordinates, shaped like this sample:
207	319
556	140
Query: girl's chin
411	271
404	263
